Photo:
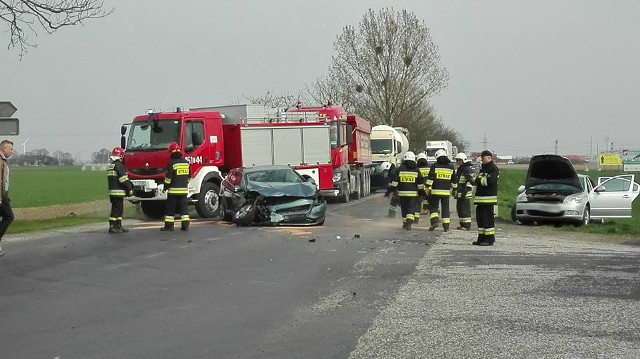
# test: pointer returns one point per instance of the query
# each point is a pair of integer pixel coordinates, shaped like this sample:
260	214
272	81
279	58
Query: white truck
433	146
388	146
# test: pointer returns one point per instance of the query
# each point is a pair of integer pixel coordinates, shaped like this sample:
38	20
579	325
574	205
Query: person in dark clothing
422	204
393	202
176	183
119	187
464	191
407	184
6	212
441	181
486	197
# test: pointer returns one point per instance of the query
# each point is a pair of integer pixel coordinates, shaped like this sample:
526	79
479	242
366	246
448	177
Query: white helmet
385	166
461	156
409	156
421	155
440	153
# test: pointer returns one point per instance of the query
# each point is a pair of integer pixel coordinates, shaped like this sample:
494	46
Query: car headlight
337	176
522	197
573	199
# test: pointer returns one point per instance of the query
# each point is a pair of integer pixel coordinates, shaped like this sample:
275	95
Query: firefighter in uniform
464	191
119	187
486	197
393	203
422	206
441	180
407	184
176	184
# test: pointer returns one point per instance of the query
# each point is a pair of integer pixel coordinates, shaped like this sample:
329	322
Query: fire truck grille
148	172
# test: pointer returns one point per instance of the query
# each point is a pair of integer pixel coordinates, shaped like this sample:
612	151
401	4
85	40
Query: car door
613	197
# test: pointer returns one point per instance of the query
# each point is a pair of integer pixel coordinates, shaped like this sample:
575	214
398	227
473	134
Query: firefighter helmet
385	166
117	152
174	147
410	156
461	156
421	156
440	153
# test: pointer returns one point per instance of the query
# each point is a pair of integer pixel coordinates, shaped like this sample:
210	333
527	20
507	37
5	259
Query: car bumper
545	212
301	212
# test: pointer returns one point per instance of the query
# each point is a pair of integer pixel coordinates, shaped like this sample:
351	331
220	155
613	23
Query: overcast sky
524	74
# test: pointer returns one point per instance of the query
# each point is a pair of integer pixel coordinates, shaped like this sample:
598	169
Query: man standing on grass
6	213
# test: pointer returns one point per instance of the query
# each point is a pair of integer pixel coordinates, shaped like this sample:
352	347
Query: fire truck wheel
344	198
357	194
207	204
153	209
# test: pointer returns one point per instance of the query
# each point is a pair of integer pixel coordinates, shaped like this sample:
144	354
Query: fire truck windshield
144	136
382	146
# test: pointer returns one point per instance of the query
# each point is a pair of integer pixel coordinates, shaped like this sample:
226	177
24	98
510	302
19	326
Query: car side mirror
600	189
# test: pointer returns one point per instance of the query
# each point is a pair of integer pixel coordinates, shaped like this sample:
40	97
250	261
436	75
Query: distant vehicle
554	193
431	147
388	146
270	195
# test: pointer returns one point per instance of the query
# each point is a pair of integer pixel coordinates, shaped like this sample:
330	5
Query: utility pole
556	152
485	142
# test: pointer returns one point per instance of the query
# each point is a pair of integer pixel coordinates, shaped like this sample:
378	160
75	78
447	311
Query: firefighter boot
168	227
184	226
409	222
113	228
434	225
119	226
445	227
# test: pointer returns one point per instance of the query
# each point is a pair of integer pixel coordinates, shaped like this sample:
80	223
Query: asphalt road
357	287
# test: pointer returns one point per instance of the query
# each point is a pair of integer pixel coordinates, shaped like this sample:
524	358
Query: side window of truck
193	135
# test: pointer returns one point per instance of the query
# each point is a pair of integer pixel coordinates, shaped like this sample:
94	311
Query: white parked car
555	193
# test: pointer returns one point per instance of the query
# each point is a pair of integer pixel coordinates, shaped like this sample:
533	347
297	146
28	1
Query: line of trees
42	157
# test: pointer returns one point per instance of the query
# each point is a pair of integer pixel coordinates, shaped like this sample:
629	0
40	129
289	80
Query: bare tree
272	100
386	67
23	16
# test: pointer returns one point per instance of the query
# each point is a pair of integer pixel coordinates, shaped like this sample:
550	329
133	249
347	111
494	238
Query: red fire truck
324	143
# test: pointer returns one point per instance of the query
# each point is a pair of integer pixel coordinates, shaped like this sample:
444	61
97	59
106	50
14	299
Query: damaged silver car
270	195
555	194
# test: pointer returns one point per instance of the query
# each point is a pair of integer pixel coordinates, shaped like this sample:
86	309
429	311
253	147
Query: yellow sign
610	159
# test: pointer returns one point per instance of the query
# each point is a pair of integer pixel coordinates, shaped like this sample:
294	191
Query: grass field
47	186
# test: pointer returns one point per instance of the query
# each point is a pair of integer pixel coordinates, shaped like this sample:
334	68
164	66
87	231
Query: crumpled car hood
303	190
551	169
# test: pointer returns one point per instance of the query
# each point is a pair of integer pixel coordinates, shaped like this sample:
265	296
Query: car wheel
245	215
224	216
586	217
